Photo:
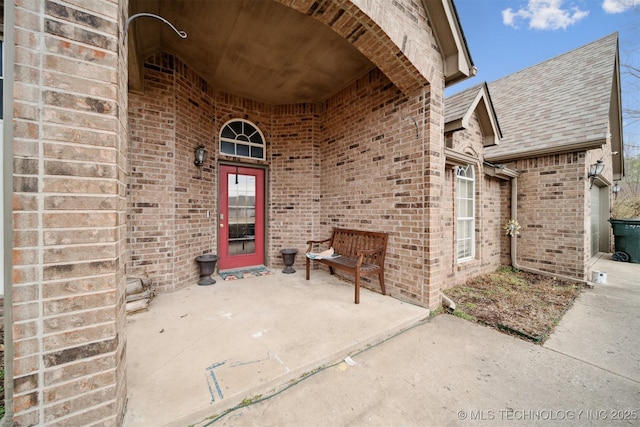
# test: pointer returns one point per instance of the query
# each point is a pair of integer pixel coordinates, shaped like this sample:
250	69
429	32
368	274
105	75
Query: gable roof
443	18
561	105
460	107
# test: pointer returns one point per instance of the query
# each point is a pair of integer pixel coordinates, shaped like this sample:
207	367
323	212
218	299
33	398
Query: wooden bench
360	253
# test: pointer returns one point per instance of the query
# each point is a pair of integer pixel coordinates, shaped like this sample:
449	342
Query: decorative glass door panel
241	217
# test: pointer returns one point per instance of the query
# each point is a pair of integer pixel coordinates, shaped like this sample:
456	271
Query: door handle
221	225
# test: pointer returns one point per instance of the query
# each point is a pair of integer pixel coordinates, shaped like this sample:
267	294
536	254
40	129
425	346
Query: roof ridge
466	90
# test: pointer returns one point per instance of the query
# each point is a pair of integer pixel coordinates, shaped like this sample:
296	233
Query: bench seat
359	252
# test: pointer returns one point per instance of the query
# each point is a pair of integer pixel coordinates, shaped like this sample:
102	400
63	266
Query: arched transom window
241	138
465	227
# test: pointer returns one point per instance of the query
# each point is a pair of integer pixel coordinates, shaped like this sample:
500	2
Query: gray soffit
259	49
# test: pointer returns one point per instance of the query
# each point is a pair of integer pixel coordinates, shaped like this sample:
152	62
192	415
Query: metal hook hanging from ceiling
182	34
416	125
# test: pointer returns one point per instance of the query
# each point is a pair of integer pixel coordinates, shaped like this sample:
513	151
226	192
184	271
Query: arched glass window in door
241	138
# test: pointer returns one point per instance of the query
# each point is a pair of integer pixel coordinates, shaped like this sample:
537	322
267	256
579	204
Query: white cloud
545	15
618	6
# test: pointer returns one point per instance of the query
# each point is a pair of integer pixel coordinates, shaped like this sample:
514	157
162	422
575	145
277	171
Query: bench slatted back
347	243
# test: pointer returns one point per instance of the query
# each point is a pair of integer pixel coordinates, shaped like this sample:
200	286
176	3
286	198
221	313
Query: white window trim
243	142
467	219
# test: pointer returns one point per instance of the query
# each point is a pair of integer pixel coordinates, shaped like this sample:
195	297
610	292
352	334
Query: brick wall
490	213
312	151
294	180
372	176
552	210
319	157
395	36
122	245
554	214
347	162
173	204
491	207
193	192
69	174
151	218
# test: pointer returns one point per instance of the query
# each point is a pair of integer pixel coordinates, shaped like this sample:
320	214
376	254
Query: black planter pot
207	265
289	258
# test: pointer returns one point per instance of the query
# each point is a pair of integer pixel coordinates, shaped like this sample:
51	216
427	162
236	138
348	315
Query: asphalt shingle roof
457	105
558	103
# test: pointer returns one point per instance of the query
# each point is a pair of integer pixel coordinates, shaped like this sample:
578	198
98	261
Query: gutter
522	153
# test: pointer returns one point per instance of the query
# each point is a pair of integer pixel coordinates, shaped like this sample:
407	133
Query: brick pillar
70	151
434	179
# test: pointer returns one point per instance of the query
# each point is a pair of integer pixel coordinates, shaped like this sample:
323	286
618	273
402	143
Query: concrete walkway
203	349
449	371
603	327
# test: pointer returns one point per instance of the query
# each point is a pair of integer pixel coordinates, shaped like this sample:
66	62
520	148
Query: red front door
241	217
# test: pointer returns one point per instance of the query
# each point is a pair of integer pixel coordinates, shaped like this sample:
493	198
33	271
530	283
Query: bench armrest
362	252
313	242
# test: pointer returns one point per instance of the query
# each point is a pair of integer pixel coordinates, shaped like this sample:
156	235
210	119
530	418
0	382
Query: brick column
70	151
434	179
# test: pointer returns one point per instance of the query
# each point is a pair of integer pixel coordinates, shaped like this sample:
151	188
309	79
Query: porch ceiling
254	48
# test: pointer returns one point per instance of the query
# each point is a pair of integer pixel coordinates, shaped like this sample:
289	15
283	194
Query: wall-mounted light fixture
615	189
200	156
595	170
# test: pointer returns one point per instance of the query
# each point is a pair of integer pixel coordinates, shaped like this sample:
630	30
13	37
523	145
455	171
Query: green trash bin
626	233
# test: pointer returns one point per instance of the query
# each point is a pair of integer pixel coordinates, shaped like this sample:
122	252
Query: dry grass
519	303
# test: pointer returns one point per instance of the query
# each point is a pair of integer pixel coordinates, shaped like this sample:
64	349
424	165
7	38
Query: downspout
448	302
514	240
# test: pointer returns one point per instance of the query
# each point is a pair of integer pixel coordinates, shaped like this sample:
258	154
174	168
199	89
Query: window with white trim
466	201
241	138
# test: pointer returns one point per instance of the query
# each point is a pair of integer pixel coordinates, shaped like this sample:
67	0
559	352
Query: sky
506	36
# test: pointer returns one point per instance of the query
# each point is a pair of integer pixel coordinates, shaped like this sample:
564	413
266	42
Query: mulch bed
519	303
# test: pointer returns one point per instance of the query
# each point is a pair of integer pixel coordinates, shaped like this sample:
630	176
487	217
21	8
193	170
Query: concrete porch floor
203	349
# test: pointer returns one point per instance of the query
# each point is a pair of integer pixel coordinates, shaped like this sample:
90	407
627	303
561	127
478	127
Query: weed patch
522	304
